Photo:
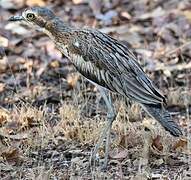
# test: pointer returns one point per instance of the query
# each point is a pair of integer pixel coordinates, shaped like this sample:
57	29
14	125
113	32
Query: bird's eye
30	16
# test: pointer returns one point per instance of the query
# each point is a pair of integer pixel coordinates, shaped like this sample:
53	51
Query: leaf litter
50	117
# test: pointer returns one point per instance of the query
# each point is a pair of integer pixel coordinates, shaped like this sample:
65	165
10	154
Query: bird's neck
58	30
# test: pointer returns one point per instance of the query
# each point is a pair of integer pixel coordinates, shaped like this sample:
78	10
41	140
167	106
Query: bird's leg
107	129
111	115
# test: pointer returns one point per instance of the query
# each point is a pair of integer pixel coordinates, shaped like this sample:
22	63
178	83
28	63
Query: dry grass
78	128
43	149
179	96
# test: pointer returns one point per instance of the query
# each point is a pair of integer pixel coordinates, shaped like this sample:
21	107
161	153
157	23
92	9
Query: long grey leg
107	129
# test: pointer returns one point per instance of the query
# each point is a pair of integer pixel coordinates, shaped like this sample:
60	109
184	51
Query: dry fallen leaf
140	177
158	162
2	87
187	14
54	64
11	154
118	154
107	17
3	64
96	6
156	144
72	80
29	122
78	1
16	28
12	127
11	4
54	53
180	144
155	13
35	3
3	41
126	15
4	115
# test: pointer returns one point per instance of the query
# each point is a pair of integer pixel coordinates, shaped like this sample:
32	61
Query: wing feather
123	74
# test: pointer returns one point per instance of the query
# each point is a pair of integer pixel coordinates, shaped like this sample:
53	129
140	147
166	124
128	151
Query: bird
106	62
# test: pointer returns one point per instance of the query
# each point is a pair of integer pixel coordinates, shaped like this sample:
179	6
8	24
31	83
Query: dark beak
16	18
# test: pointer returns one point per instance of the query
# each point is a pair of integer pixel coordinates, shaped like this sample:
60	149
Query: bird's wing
103	53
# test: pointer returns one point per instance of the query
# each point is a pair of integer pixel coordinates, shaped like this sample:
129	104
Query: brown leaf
156	144
54	64
29	122
13	126
4	115
180	144
72	80
2	87
11	154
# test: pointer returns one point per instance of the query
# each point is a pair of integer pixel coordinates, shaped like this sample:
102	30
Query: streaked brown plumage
105	61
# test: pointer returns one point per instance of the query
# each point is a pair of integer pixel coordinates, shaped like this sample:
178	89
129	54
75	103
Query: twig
178	48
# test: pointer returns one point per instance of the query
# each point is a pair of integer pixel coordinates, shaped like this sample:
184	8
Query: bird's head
35	16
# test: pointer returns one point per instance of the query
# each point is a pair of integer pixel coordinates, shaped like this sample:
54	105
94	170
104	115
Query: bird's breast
76	59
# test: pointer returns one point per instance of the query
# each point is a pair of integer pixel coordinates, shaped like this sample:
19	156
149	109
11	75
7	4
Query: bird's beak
16	18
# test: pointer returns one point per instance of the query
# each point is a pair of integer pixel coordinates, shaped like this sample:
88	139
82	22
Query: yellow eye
30	16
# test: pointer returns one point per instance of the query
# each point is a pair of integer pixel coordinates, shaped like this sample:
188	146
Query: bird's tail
164	117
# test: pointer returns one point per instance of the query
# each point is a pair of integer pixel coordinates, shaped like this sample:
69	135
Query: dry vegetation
50	117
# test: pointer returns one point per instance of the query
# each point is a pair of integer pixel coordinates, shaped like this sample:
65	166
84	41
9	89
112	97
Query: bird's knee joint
111	116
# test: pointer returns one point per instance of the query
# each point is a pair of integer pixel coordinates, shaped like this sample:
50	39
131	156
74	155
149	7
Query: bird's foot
95	160
105	137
